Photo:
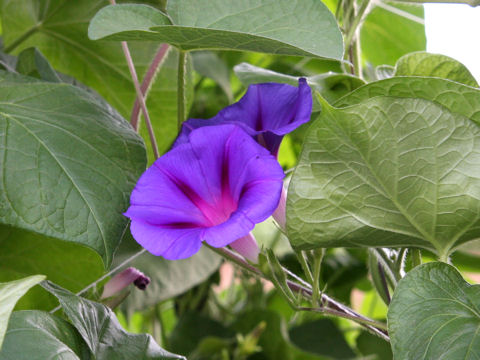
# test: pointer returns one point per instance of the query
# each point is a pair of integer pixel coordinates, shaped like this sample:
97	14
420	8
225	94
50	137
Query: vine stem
317	263
147	82
330	306
140	97
181	103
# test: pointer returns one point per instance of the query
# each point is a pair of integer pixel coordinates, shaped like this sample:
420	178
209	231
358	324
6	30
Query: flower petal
270	108
171	243
214	187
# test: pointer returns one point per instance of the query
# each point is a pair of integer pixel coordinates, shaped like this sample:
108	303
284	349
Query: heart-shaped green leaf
288	27
69	162
100	329
99	65
435	314
9	294
434	65
39	335
387	172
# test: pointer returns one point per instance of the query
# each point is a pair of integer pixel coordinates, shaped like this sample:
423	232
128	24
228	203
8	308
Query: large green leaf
387	172
99	65
434	65
168	278
435	314
298	27
68	163
458	98
39	335
10	293
23	253
99	328
386	36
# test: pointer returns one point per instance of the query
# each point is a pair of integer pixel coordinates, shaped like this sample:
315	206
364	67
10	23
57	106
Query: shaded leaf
208	64
24	253
278	27
10	293
434	65
387	172
191	329
321	337
31	62
386	36
373	347
69	163
39	335
445	310
99	328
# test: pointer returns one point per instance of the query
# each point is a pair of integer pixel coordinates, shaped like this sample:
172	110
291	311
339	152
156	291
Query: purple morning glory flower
267	112
213	187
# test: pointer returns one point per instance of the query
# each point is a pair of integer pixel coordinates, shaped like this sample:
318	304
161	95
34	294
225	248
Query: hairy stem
140	97
181	102
303	262
147	82
317	263
416	257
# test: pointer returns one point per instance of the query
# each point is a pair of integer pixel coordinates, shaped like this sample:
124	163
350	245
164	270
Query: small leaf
387	172
31	62
435	314
39	335
434	65
285	27
69	163
99	328
10	293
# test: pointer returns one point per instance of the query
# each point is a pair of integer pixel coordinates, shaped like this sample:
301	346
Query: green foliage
345	192
434	65
390	162
99	328
68	264
243	25
445	310
36	334
9	294
386	36
321	337
69	163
